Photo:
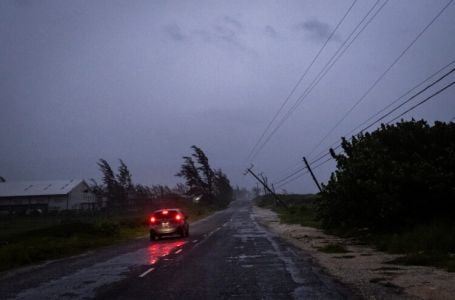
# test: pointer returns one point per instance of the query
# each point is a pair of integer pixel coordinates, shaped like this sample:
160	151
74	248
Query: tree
397	176
180	188
117	187
143	195
223	189
98	190
190	173
204	167
159	191
124	176
202	180
110	183
124	182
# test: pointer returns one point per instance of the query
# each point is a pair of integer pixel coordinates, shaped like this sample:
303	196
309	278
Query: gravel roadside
363	268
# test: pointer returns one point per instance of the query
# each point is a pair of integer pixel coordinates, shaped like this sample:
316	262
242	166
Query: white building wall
81	197
57	202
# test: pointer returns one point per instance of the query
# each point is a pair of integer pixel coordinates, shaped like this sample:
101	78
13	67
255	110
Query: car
169	221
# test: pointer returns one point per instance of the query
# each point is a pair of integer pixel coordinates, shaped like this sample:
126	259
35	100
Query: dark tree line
118	191
211	185
395	177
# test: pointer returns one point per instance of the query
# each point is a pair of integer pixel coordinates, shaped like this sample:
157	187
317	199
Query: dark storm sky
145	80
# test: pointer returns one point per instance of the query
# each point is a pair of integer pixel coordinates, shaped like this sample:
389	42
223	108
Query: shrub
333	248
393	178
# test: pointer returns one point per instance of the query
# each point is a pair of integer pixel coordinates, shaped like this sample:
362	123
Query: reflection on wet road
84	282
158	250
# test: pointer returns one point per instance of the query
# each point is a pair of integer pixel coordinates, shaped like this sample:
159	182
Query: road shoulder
363	268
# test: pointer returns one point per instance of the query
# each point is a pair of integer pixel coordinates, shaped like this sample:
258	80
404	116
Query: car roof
168	209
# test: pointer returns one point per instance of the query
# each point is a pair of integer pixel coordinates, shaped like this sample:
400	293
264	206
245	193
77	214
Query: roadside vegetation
123	213
301	208
393	188
334	248
26	240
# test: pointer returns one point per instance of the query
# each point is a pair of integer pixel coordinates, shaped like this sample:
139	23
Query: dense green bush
395	177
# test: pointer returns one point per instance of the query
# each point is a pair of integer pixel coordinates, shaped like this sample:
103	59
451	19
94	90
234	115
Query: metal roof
37	188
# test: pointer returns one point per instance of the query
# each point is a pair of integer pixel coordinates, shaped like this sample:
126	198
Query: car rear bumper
164	230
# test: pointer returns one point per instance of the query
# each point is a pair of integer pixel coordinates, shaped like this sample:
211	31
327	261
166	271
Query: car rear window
170	214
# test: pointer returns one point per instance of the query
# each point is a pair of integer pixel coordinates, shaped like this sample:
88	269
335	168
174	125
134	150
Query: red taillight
152	220
178	217
165	212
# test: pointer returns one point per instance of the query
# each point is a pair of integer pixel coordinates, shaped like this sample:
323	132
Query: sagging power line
253	150
264	184
321	155
327	67
382	117
381	77
356	129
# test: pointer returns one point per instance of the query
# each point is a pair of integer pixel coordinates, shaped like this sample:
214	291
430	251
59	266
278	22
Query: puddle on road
82	284
156	251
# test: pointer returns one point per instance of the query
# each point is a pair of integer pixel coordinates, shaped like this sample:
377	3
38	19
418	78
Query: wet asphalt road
227	256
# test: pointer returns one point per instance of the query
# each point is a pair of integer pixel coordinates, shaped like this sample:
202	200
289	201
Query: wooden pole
312	175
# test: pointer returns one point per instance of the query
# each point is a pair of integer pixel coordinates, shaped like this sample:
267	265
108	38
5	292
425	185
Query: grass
425	245
333	248
301	209
28	240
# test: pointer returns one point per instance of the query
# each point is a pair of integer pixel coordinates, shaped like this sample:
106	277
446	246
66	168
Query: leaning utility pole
312	175
277	199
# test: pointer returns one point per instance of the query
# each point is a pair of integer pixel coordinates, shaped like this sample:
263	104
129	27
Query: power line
324	71
400	115
323	163
331	63
301	79
291	180
422	102
325	153
301	175
402	96
379	79
290	175
392	103
407	101
288	170
390	112
398	107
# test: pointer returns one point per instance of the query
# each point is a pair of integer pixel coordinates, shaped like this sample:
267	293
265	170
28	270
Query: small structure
44	196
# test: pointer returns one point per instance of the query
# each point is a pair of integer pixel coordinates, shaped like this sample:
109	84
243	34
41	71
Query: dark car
168	222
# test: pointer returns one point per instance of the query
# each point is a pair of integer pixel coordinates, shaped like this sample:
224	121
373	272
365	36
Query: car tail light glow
152	219
178	217
165	212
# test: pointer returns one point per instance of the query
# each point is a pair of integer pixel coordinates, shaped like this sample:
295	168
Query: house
53	195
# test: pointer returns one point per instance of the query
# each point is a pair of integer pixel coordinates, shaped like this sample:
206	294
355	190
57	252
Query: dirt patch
366	270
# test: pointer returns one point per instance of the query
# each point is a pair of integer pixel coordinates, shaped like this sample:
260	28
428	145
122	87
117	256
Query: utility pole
265	181
312	175
278	200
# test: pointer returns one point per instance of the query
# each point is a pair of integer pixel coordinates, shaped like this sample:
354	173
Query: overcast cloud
145	80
